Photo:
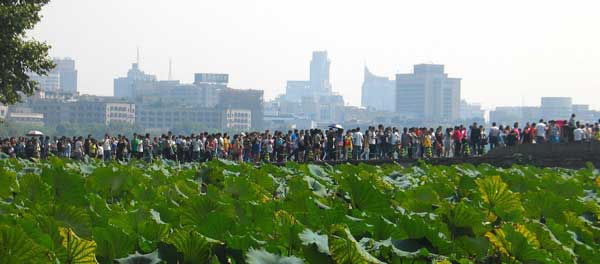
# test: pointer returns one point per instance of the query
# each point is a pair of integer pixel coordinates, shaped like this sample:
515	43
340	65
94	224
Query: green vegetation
19	54
220	212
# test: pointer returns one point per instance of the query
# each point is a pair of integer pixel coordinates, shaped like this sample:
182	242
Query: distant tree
61	129
186	128
19	54
13	129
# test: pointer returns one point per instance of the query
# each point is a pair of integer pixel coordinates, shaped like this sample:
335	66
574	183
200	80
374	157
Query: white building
50	82
237	120
120	113
378	93
313	99
25	115
428	94
319	73
65	68
125	87
63	78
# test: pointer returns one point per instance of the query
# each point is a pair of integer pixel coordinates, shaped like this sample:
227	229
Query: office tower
378	93
65	68
319	73
428	93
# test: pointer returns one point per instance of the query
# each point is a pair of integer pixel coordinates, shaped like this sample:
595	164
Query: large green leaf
68	186
74	218
78	251
544	204
8	183
549	242
146	230
420	199
16	247
112	243
346	250
195	247
498	199
365	197
34	190
517	243
286	232
462	219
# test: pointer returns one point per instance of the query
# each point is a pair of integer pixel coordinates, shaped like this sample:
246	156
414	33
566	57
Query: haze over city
507	53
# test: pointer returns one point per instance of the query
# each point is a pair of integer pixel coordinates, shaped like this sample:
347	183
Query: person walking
107	148
357	139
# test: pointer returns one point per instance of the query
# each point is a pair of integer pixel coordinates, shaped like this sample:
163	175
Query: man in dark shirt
475	138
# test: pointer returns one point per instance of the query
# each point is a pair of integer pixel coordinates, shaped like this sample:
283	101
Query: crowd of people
332	144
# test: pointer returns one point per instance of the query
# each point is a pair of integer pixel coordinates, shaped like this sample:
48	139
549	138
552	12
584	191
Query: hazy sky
507	52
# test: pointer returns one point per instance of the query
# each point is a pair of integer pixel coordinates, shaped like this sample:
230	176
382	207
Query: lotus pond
60	211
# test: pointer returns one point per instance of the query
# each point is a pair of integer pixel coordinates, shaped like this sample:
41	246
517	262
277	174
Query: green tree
19	54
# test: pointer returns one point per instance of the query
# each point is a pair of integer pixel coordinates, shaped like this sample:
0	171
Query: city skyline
263	48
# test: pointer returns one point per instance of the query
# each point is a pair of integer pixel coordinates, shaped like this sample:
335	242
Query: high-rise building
295	90
125	87
428	94
48	82
557	108
319	73
378	93
61	79
68	74
312	99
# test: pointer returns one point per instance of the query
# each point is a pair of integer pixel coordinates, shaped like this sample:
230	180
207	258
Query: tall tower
65	68
319	73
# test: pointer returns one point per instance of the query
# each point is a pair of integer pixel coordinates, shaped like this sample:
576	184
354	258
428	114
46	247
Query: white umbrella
34	133
336	126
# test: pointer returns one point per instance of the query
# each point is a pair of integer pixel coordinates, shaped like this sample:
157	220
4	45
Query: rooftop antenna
170	69
137	60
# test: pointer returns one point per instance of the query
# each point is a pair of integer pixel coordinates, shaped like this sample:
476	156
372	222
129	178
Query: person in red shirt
517	132
457	137
532	132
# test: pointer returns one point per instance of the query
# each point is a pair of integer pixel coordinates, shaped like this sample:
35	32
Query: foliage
18	54
62	211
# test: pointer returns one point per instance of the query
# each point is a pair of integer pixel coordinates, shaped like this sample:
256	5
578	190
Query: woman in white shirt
579	134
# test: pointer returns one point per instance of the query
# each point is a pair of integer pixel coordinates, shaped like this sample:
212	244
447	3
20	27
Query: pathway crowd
333	144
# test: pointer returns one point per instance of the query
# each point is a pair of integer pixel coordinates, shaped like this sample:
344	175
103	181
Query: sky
506	52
